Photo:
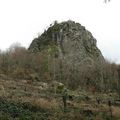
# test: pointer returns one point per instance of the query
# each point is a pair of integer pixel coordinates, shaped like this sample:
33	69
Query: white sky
22	20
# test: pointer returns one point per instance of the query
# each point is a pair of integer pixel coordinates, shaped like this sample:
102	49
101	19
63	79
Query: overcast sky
22	20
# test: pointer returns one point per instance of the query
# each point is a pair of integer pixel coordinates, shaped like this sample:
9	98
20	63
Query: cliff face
73	42
74	46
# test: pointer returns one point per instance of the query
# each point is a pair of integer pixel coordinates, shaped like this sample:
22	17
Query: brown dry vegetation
23	92
26	78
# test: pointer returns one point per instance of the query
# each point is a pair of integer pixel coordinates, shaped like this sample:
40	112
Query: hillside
61	76
24	100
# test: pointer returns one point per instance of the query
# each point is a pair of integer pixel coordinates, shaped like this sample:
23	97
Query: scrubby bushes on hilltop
19	63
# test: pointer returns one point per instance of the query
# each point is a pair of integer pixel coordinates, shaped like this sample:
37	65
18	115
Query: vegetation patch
22	111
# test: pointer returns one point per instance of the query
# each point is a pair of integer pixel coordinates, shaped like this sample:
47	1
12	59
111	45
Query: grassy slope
23	100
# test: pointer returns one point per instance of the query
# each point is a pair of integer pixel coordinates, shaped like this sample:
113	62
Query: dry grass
46	104
2	90
23	91
116	111
41	102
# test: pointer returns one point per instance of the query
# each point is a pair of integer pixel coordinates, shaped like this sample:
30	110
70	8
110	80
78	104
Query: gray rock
76	47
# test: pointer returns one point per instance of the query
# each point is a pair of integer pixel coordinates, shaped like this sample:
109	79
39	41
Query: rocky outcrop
75	46
73	41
